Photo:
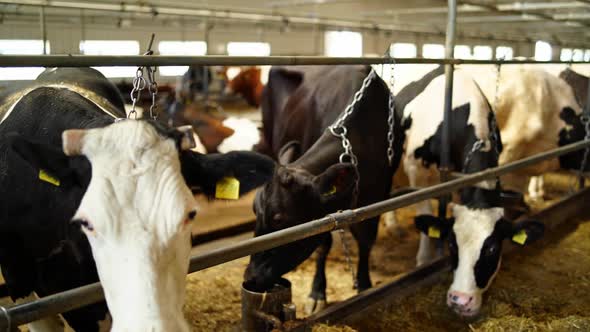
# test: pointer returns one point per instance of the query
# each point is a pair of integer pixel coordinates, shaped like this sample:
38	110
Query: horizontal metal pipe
75	298
210	60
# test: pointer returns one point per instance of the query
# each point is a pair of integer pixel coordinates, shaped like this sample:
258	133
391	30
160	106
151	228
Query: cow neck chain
338	129
493	130
391	117
140	83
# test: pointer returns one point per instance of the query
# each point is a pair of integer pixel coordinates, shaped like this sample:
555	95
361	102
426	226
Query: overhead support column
445	157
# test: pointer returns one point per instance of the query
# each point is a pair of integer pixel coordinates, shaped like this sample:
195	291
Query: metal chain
344	241
138	85
477	145
339	130
391	116
140	82
493	126
153	89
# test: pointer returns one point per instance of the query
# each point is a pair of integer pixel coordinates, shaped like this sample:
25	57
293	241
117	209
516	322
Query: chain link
346	248
139	84
391	116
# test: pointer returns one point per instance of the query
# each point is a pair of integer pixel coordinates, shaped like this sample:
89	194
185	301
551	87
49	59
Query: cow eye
191	215
491	249
84	224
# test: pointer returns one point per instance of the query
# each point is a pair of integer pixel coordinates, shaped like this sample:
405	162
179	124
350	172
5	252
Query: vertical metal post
43	28
445	157
82	26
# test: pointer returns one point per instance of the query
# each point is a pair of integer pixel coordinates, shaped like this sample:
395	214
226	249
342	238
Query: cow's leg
317	297
536	187
417	176
365	236
47	324
390	221
426	251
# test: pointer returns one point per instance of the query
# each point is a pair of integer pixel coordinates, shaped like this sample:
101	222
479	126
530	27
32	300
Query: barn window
504	52
578	55
462	52
566	54
587	55
343	43
433	51
248	49
542	51
403	50
21	47
180	48
112	47
483	52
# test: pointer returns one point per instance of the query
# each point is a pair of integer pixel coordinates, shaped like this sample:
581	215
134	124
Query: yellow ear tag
331	192
44	176
520	237
433	232
227	188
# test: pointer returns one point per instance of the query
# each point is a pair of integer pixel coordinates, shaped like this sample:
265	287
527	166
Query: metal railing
222	60
79	297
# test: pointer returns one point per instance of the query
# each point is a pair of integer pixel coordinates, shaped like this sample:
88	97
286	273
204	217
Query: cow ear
50	162
250	169
527	232
336	182
433	226
289	152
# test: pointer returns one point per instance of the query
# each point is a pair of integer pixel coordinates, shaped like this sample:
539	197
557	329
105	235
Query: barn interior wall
65	38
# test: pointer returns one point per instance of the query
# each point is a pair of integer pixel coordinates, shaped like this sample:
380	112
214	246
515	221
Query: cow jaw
134	214
472	228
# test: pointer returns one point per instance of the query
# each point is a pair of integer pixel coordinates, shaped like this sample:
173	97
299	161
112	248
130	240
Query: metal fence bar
79	297
215	60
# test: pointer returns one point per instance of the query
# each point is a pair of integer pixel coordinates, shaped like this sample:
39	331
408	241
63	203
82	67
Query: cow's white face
135	214
475	244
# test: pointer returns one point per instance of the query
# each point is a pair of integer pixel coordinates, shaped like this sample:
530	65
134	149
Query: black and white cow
84	196
478	227
298	105
536	112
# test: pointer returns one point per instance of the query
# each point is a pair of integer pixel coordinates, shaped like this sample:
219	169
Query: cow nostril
455	298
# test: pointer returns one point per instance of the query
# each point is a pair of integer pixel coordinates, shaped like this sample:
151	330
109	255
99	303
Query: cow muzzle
464	304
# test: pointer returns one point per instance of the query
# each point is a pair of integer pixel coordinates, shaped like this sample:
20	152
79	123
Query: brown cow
248	84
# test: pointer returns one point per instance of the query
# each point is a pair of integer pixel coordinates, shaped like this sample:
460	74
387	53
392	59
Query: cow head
138	208
294	196
247	84
475	245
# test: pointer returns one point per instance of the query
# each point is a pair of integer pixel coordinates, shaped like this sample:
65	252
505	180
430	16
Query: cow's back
530	102
299	103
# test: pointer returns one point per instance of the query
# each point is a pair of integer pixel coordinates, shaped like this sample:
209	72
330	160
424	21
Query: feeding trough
268	310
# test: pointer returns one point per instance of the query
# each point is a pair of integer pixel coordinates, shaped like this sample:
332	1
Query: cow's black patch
489	256
573	132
